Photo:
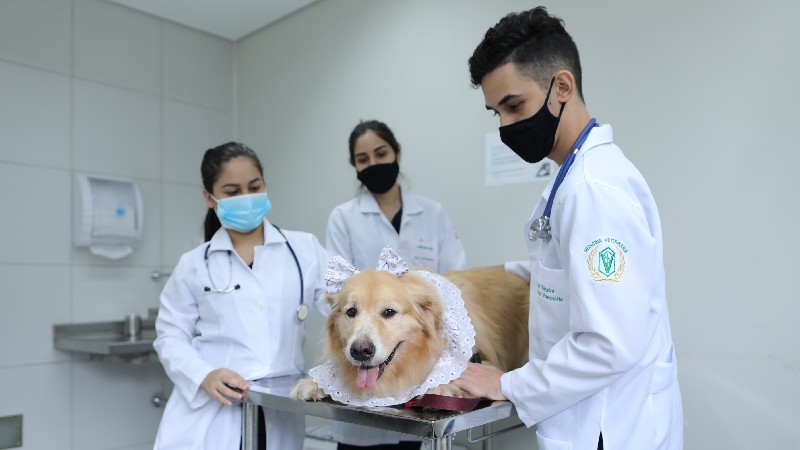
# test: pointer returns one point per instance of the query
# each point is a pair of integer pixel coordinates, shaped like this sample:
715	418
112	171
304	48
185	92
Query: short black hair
534	41
377	127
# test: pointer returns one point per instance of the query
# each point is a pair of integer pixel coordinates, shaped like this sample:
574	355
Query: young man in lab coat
602	369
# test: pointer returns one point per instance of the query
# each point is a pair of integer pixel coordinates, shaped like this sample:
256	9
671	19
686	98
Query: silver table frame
437	427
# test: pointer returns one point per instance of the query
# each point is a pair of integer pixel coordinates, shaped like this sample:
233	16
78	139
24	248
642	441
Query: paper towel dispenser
108	216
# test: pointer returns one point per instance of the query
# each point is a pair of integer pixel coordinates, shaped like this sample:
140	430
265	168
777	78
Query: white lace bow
457	330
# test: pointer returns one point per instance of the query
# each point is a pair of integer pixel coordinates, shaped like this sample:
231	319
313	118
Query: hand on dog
218	384
481	380
449	390
307	389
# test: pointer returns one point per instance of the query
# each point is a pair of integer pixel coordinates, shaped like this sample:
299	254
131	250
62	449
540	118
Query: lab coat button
260	306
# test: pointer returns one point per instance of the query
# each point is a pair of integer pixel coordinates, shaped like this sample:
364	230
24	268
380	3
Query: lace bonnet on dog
457	330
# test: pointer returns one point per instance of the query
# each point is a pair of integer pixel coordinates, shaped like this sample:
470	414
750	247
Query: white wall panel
184	213
198	68
36	225
117	132
190	130
106	118
35	298
42	394
37	33
111	407
111	293
37	129
118	46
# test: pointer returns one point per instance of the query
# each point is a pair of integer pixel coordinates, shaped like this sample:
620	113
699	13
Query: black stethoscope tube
302	309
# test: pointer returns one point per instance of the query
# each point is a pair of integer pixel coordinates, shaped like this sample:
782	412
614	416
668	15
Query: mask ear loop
550	89
547	98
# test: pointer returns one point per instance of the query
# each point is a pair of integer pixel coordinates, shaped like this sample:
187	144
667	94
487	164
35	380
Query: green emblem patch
607	264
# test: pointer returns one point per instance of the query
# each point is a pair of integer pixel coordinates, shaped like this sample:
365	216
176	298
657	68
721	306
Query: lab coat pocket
546	443
551	297
664	373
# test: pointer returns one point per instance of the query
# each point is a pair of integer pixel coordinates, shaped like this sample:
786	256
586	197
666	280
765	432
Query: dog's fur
377	313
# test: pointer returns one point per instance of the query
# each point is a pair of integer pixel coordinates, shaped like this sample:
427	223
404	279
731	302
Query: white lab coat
601	352
253	331
357	230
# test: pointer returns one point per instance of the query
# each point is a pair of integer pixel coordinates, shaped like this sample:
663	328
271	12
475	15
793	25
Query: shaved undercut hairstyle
534	41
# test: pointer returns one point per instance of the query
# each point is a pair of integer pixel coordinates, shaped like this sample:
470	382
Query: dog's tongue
367	376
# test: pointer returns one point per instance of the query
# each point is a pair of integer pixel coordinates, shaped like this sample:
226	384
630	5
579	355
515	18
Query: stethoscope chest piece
302	312
540	229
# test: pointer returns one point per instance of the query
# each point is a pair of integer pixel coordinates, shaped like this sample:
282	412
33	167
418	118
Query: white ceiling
230	19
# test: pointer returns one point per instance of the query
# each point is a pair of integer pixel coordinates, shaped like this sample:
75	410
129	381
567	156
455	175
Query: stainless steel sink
102	339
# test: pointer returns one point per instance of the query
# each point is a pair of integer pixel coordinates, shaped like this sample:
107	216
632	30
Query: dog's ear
428	306
332	299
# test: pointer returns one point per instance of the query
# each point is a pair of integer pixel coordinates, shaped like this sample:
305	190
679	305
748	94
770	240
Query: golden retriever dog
384	332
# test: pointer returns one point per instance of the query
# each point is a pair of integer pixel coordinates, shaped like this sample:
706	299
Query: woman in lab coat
233	311
602	371
386	213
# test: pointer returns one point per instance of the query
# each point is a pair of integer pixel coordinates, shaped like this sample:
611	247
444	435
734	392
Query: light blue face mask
243	213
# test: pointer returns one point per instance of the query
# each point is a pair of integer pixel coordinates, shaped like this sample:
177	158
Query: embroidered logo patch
606	259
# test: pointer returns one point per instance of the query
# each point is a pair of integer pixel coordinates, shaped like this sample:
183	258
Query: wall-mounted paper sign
503	166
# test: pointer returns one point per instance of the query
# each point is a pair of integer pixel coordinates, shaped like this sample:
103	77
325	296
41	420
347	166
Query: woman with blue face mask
234	310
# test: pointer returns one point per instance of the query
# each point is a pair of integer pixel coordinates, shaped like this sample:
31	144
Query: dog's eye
389	313
351	312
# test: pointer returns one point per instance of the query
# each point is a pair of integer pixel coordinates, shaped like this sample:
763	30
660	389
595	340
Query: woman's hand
218	384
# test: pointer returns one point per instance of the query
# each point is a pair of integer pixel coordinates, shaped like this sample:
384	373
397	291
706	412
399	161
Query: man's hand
481	380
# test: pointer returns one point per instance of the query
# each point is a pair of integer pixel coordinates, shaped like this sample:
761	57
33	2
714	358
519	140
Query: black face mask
379	178
532	139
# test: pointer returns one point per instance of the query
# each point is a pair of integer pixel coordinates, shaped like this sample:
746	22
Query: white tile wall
117	46
36	215
42	394
198	68
110	293
117	131
739	394
34	298
184	213
37	33
83	92
189	131
112	406
37	129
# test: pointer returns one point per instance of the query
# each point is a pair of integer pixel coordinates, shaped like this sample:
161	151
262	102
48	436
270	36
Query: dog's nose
362	351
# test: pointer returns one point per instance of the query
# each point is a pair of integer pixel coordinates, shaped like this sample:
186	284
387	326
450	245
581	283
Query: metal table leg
442	443
249	426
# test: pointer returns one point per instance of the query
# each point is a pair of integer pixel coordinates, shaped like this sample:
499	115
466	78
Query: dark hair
377	127
534	41
213	160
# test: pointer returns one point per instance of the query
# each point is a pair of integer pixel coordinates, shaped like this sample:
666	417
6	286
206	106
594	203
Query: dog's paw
307	389
449	390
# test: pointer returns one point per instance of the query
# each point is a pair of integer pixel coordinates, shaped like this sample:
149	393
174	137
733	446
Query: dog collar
388	360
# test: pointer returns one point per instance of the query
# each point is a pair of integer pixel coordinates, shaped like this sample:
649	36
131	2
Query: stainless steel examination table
436	427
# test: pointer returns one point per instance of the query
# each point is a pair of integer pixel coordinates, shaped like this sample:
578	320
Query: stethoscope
302	310
540	228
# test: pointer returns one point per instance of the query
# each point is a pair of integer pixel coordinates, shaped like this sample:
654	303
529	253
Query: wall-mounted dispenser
108	216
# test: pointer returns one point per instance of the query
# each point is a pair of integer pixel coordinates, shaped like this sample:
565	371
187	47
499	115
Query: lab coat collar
222	240
599	135
368	205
